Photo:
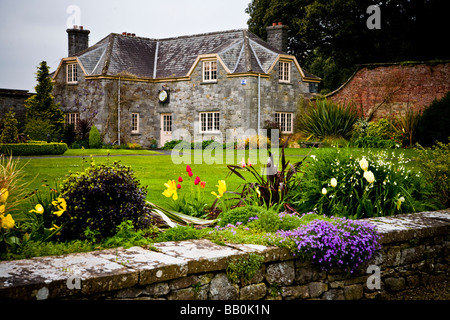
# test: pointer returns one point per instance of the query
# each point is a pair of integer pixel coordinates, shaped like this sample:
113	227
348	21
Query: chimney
277	36
78	40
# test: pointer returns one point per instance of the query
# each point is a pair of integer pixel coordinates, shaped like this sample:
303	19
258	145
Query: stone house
386	90
196	87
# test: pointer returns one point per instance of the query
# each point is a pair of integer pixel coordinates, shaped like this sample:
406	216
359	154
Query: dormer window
209	71
284	71
72	73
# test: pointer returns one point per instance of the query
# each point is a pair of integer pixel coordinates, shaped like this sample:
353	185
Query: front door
166	128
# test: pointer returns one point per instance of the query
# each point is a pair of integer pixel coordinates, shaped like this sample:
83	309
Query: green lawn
154	170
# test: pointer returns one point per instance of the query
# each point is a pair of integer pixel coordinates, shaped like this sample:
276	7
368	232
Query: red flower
203	184
190	173
179	186
180	179
188	168
197	180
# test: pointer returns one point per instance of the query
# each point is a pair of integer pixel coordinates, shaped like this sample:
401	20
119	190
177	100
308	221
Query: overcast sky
32	31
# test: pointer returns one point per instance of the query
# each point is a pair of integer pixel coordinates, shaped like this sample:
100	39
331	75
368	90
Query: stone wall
415	253
15	100
386	90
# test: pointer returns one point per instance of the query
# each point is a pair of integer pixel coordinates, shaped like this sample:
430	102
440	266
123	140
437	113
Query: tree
329	38
42	105
9	128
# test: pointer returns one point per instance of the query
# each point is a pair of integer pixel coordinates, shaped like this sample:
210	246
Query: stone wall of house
389	90
415	252
237	103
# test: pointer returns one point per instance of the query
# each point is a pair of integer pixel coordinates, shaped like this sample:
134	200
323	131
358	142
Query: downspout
118	114
259	104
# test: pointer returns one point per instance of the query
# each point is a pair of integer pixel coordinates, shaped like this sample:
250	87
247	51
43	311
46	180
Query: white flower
333	182
324	191
364	164
369	176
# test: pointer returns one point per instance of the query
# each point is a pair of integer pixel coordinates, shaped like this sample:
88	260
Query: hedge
33	148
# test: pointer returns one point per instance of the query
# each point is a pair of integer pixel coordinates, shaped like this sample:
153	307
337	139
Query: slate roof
240	50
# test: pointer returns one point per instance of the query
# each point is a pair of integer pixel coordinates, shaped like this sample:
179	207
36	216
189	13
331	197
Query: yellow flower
61	205
364	164
258	192
2	209
333	182
222	188
7	222
369	176
324	191
3	195
399	202
171	190
38	209
55	227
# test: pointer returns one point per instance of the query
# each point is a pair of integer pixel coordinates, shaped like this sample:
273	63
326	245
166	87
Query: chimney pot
280	23
81	27
124	33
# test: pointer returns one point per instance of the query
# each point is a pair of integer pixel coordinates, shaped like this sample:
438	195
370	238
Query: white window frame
209	71
72	73
286	121
284	71
72	118
134	122
209	122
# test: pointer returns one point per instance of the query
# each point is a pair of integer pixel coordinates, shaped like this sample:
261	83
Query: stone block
394	284
353	292
317	288
253	292
295	292
59	276
333	294
200	255
282	273
152	266
221	288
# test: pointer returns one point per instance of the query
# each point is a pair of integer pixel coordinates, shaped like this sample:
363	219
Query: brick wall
389	89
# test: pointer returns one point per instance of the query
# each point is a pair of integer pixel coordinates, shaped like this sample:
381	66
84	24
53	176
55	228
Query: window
284	71
285	121
209	71
72	73
71	118
209	121
134	122
167	122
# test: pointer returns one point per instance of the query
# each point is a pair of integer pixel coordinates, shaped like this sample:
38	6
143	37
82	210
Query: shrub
9	128
178	143
95	141
239	214
39	129
33	148
101	198
434	164
433	125
326	118
335	184
134	146
379	134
